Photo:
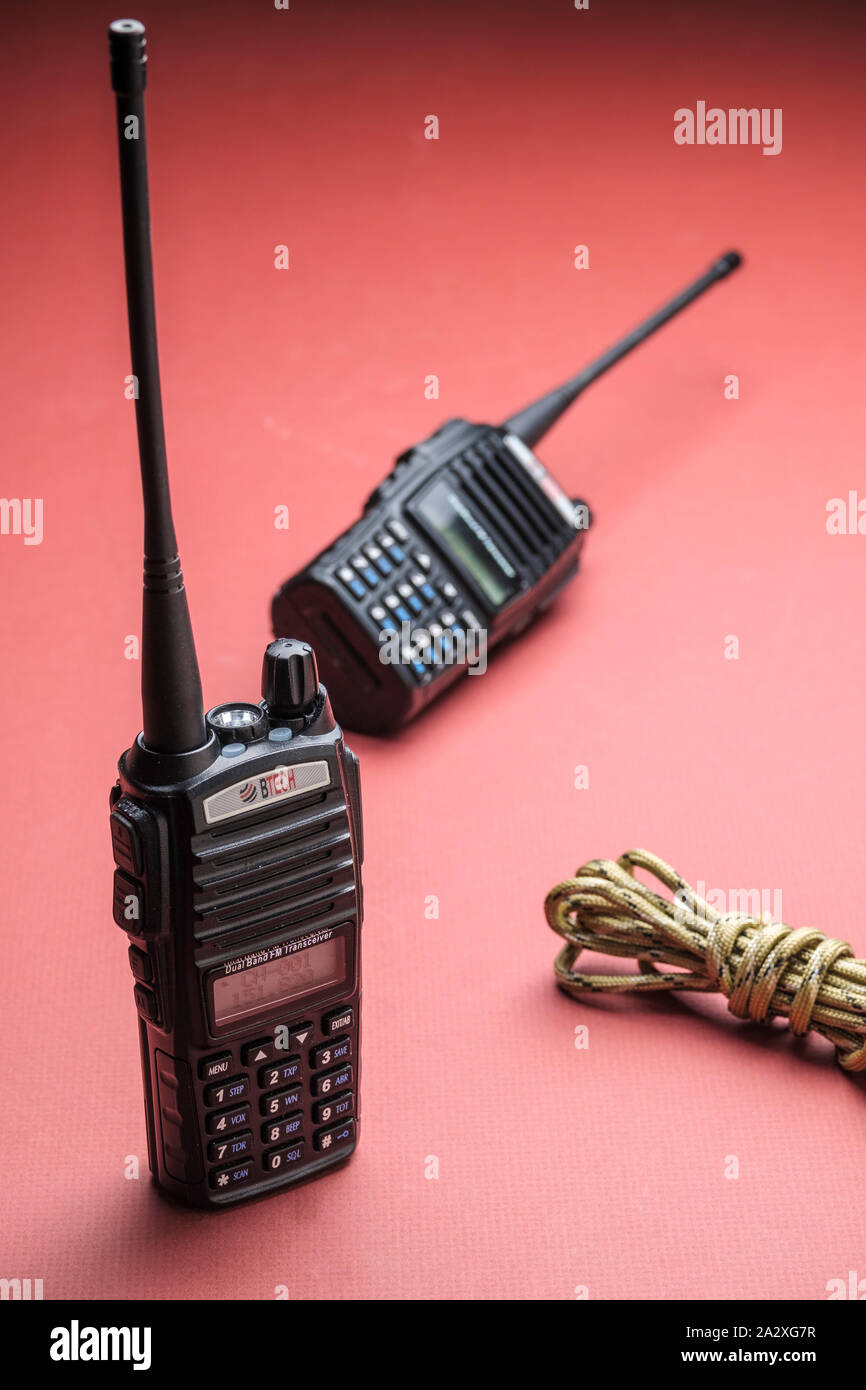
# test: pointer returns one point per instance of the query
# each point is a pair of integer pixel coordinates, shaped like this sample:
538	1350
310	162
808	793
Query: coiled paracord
764	970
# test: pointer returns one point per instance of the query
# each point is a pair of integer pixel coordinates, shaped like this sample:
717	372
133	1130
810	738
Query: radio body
237	844
239	888
459	548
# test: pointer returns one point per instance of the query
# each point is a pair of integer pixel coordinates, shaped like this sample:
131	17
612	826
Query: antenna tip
727	263
127	46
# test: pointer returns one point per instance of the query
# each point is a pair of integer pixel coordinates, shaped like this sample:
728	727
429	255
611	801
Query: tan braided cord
764	970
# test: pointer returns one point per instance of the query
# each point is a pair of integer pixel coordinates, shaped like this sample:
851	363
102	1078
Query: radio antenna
173	715
531	423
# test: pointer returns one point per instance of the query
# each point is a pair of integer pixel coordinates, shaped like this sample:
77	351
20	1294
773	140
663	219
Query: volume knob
290	679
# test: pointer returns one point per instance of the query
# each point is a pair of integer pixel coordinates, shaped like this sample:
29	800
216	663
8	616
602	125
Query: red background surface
559	1168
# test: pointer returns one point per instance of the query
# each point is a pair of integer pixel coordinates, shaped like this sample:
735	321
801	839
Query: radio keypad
336	1080
414	598
366	571
337	1107
235	1176
380	559
278	1102
280	1073
224	1121
233	1146
300	1034
275	1130
211	1067
283	1158
335	1137
391	549
329	1054
351	581
227	1092
305	1100
337	1021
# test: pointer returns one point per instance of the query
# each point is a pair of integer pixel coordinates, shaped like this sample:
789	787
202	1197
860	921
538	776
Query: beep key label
278	784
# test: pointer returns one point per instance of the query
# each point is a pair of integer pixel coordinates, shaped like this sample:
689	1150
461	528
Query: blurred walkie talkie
460	547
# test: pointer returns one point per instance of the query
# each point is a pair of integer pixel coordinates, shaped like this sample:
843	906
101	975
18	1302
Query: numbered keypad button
277	1159
232	1147
278	1102
277	1131
235	1176
331	1081
334	1138
227	1092
392	549
334	1108
224	1121
258	1051
209	1068
351	581
280	1073
328	1054
337	1022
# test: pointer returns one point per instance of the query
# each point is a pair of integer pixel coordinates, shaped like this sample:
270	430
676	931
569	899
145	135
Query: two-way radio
238	845
463	544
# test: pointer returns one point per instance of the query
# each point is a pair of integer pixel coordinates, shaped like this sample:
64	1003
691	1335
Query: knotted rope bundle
764	970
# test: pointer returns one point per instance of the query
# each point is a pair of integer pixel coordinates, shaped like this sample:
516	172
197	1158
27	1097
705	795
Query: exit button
337	1022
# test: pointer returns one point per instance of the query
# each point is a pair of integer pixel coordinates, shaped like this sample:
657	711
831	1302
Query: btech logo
76	1343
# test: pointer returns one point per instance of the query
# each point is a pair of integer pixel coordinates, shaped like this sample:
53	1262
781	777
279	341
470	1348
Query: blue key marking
370	576
384	566
402	614
397	555
418	667
428	592
357	588
415	603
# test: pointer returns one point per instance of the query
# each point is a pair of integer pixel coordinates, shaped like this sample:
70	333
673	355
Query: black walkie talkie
238	845
465	542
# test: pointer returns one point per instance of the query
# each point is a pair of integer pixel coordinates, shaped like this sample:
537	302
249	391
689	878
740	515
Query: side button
128	907
140	964
133	837
145	1002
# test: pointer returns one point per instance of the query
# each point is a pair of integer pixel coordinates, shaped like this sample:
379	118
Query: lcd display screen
279	981
462	533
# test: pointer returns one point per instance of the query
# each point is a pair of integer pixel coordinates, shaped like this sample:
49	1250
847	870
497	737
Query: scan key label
278	784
